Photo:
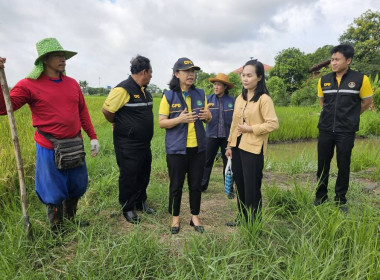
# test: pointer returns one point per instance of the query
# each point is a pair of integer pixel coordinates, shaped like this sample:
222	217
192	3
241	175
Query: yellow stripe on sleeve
366	89
164	107
116	99
320	92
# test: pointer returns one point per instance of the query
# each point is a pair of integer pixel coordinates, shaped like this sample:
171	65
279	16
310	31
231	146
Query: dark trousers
247	171
134	166
327	141
213	145
191	164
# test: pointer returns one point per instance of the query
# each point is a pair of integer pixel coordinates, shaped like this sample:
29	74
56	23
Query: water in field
297	157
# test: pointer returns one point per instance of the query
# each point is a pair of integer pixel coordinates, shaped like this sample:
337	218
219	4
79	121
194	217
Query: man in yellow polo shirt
344	95
128	108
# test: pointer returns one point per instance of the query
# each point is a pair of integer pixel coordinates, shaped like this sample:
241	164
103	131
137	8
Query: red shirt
57	108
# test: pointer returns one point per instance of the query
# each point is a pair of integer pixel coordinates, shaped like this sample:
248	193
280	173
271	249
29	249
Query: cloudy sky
218	35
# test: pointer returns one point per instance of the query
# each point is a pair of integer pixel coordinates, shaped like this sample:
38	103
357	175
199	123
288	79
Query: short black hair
346	49
261	86
139	63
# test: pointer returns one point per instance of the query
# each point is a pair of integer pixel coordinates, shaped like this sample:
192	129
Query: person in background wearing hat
59	109
183	110
221	106
253	119
129	108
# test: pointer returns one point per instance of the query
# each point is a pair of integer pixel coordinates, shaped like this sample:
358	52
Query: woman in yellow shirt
253	119
183	109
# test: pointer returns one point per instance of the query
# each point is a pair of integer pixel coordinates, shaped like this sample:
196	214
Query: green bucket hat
44	47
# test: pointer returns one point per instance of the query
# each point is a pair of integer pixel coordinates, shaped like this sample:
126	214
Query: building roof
320	65
266	68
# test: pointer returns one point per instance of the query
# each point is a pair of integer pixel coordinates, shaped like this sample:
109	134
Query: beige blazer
261	116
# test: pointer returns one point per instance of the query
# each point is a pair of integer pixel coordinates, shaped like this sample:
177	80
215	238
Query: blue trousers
53	186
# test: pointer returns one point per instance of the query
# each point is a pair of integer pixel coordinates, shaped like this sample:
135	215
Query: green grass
294	240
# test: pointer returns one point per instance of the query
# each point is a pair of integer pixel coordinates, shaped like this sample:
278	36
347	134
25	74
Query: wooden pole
16	145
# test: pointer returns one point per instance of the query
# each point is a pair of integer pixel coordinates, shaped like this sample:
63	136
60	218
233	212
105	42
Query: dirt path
217	209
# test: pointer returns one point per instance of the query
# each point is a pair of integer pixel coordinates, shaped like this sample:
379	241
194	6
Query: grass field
294	240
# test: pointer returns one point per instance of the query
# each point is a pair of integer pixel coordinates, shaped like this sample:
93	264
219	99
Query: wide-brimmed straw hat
44	47
222	78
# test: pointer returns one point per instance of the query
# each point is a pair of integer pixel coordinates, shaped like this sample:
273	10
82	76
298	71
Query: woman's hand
186	117
244	128
205	115
228	152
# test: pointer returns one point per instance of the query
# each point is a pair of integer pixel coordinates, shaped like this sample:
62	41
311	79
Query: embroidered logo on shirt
327	84
199	103
230	105
176	105
136	96
351	84
211	104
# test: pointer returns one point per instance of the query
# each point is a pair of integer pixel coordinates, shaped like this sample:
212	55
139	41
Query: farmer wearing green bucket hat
59	112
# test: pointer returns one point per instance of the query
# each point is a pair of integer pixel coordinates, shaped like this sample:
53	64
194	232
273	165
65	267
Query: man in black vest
344	94
128	108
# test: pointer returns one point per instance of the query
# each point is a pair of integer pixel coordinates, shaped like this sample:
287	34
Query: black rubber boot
70	209
55	216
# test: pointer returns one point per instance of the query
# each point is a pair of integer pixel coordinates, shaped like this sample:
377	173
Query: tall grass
294	240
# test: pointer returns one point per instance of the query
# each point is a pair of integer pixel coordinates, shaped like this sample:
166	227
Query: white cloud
218	35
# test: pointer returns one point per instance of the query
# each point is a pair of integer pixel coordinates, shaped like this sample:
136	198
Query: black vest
341	104
134	121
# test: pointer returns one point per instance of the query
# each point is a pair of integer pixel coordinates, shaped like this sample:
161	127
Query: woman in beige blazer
253	119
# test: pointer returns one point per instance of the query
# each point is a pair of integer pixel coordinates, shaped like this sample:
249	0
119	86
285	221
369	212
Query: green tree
320	55
83	85
98	91
203	82
277	91
292	66
307	94
364	35
235	79
154	90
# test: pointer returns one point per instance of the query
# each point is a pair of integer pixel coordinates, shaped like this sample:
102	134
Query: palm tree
83	85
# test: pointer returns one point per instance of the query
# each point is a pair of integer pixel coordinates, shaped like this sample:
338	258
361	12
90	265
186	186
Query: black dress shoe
319	201
175	230
233	223
204	188
199	229
146	209
131	217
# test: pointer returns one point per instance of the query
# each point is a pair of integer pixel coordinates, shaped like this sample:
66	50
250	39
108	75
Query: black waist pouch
68	153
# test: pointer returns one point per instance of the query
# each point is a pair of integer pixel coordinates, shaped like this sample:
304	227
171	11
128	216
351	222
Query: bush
375	83
277	90
306	95
376	99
